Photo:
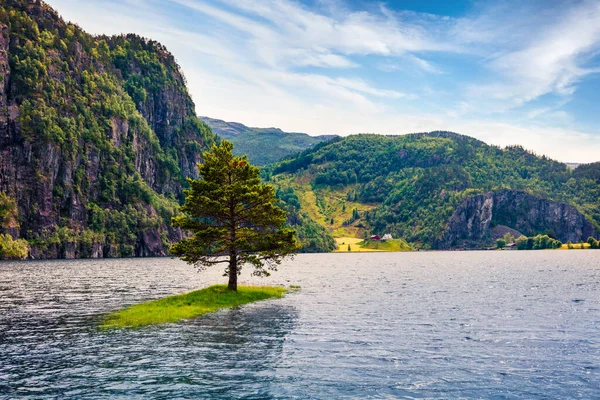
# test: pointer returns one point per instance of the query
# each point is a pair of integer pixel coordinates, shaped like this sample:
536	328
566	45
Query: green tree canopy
233	218
8	210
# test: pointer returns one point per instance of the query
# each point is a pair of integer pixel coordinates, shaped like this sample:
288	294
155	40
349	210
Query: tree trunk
233	271
233	275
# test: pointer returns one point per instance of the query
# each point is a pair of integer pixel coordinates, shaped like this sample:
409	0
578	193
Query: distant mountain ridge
263	145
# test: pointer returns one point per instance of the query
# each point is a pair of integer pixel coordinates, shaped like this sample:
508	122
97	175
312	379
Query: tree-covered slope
97	135
410	186
263	145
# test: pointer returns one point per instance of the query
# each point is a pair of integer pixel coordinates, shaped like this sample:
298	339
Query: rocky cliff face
97	136
158	88
472	221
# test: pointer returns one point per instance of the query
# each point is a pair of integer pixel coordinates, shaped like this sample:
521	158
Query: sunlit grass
354	243
324	204
357	245
386	245
188	305
579	246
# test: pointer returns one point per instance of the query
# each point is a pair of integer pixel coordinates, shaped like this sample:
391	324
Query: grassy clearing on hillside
324	205
344	242
188	305
386	245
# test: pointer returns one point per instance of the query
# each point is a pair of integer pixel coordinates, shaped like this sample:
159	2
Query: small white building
387	236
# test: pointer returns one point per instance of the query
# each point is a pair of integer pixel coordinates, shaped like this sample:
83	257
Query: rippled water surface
372	325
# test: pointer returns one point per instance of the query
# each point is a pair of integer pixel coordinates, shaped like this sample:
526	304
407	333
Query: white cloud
567	145
363	87
549	59
410	64
423	64
291	25
277	63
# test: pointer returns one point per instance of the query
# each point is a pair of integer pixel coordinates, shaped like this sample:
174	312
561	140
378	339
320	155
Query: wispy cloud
285	34
548	56
410	63
318	67
347	32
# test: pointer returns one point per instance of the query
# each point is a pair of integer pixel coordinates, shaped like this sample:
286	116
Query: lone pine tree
233	218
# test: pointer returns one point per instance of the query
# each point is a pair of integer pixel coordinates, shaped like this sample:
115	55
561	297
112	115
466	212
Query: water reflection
212	357
221	355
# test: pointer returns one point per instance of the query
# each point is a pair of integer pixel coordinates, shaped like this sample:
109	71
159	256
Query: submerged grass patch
188	305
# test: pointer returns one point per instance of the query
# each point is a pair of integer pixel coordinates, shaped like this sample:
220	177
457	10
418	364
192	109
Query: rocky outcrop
470	225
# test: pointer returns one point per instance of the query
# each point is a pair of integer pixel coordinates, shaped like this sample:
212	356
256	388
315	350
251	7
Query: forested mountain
263	145
97	135
439	190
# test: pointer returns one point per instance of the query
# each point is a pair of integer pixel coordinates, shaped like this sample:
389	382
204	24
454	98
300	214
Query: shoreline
365	250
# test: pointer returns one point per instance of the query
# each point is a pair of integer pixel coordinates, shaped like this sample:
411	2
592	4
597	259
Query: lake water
373	325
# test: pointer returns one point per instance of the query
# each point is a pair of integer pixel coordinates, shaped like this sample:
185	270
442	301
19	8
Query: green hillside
263	145
386	245
410	186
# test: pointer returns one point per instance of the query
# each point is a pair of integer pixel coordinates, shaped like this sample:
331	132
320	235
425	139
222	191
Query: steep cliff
97	135
472	222
154	81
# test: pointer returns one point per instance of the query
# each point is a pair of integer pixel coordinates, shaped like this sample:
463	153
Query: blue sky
510	72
